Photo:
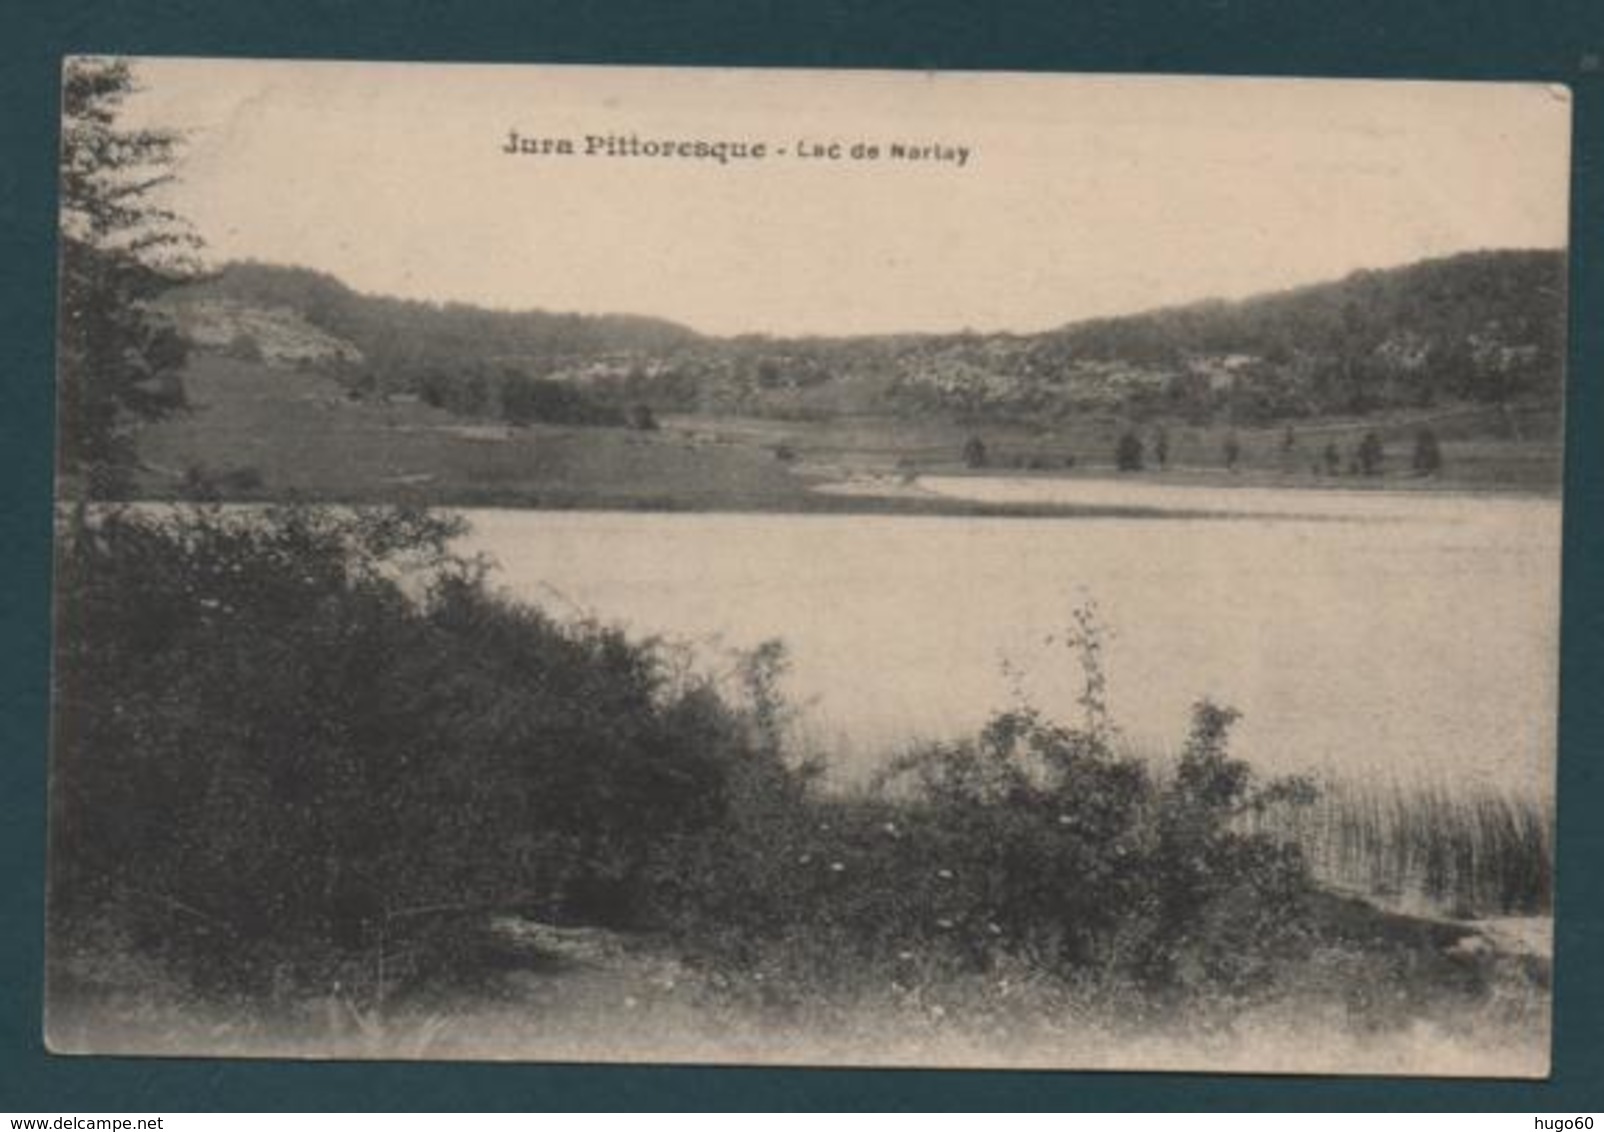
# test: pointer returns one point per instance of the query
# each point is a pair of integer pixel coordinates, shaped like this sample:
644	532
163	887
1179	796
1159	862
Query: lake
1406	635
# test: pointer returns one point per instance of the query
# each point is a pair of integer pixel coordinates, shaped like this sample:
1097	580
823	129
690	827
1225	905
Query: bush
1231	451
284	736
1128	452
538	400
303	742
1033	842
1427	460
1370	454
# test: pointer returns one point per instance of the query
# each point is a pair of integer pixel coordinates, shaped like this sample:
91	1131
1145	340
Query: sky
1078	197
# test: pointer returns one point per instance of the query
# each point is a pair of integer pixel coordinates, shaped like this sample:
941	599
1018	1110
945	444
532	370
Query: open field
260	432
270	433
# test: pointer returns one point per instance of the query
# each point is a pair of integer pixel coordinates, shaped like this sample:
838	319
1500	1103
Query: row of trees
1367	457
508	393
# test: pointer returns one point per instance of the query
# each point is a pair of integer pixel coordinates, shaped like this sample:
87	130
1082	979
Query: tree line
1131	453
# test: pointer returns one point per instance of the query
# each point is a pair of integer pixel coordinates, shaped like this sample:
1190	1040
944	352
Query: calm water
1417	637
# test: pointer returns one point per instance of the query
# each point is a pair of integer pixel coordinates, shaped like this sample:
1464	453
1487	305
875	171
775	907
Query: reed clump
1462	849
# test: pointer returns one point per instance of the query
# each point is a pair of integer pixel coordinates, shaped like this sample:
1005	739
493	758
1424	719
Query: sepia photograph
807	567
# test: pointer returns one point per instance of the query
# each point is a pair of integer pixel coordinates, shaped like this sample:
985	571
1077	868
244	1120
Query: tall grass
1453	848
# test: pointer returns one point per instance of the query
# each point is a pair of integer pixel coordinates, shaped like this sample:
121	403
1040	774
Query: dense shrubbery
1034	842
534	400
519	398
294	738
282	733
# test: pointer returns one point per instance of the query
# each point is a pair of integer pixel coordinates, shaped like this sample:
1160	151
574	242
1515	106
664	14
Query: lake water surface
1378	633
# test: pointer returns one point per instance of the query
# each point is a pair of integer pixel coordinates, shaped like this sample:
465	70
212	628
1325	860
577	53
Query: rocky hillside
404	337
276	335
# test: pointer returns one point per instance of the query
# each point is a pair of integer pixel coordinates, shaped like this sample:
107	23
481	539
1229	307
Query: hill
1482	328
1468	349
404	338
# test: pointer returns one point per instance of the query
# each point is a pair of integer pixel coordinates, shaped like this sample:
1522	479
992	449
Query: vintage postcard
807	567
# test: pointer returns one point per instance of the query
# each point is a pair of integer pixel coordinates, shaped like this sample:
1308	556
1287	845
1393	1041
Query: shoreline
893	496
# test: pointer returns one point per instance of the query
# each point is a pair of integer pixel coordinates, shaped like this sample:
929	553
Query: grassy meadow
262	432
258	432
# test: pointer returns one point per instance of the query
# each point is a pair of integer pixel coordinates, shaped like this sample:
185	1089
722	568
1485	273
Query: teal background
1476	39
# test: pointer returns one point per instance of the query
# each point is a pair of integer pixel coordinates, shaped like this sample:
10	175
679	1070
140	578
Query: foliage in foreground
288	736
1035	843
298	738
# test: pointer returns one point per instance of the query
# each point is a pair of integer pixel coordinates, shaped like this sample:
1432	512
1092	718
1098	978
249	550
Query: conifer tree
118	360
